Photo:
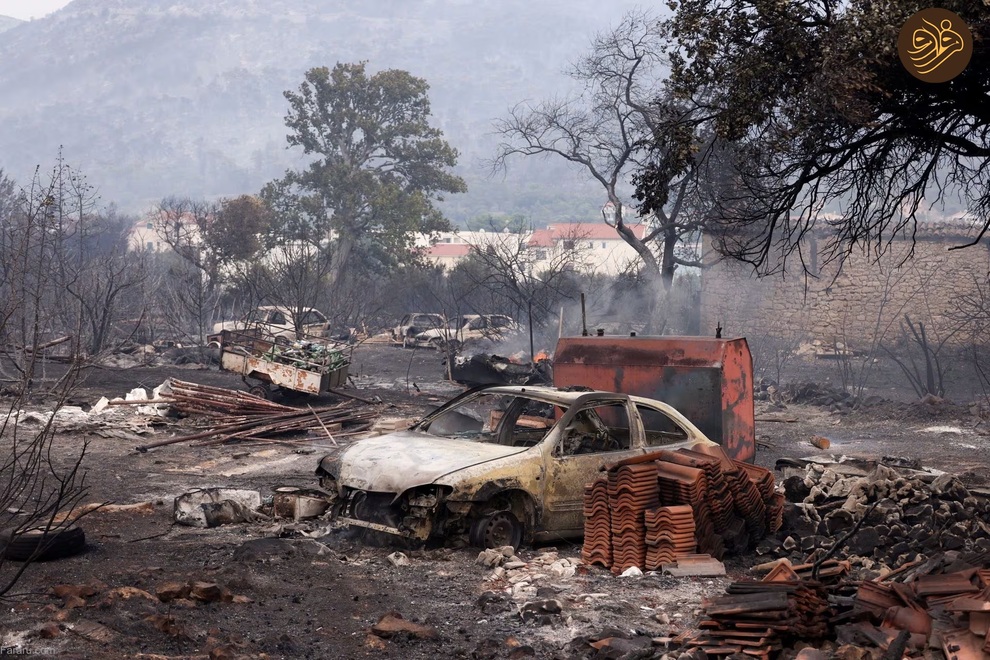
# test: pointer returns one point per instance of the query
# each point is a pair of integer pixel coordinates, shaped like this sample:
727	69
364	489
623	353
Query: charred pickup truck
501	464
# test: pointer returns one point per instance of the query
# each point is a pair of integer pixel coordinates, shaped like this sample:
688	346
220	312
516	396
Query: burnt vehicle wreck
503	465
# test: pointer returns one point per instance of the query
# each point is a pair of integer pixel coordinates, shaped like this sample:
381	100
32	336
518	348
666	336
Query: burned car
466	329
501	464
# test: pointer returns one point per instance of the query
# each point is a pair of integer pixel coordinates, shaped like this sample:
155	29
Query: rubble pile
950	610
943	602
518	580
758	618
909	512
647	511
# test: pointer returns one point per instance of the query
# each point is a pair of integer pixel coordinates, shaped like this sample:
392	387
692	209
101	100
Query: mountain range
184	97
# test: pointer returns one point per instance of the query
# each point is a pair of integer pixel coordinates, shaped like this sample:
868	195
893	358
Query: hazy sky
25	9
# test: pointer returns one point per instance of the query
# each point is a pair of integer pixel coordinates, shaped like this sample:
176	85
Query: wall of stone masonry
855	301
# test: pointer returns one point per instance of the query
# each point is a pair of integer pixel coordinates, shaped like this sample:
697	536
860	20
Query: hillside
7	22
183	97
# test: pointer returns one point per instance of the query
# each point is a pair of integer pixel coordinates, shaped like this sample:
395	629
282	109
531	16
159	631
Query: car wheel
496	530
39	545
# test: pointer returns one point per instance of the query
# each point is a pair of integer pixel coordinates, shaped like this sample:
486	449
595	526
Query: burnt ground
316	595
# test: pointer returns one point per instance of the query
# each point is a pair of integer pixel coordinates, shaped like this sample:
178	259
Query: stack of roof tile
761	477
631	490
748	503
732	506
669	534
597	548
718	498
775	512
682	485
756	618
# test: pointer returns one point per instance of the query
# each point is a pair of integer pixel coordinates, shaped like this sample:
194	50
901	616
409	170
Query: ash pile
901	511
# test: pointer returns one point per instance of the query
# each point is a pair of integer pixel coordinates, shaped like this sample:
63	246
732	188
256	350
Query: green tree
378	166
819	113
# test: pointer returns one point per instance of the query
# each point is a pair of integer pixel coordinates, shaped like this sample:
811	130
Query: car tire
39	545
262	391
496	530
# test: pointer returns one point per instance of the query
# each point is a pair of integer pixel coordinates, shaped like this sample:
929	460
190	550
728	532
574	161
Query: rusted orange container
710	381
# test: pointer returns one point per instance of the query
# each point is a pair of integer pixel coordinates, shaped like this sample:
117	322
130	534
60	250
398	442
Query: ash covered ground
293	590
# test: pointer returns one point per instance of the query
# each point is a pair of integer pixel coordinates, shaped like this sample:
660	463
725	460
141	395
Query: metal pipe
532	351
584	318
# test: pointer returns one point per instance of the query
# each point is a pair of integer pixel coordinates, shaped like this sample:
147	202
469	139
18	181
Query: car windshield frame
568	406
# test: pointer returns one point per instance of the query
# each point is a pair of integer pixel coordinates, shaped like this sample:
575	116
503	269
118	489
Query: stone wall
857	301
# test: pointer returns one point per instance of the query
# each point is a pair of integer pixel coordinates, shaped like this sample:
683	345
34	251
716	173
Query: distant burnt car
468	328
413	324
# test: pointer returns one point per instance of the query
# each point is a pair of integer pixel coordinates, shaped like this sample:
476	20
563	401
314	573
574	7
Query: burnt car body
468	328
413	324
502	464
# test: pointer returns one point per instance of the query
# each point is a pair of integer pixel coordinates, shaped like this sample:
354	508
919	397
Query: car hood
396	462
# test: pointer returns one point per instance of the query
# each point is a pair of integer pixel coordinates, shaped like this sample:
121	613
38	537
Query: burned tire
496	529
38	545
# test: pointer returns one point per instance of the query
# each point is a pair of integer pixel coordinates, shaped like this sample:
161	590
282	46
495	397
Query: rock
72	602
392	624
209	592
78	590
790	543
865	541
490	558
662	617
167	625
491	602
398	559
512	565
795	489
632	571
49	631
172	591
540	610
507	551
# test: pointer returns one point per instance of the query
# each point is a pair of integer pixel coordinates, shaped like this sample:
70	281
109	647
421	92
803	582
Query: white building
589	246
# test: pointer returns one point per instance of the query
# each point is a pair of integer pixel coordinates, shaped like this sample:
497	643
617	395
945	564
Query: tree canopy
378	165
811	109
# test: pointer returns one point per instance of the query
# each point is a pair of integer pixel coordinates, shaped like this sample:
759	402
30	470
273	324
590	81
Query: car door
594	434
